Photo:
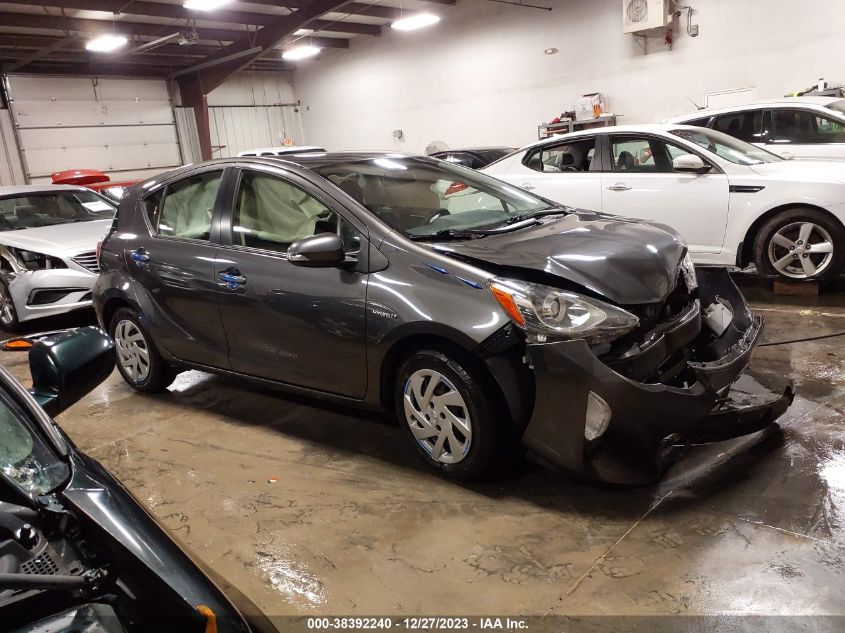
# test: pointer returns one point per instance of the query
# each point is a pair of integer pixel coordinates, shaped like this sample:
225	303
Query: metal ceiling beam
170	11
146	46
44	52
194	87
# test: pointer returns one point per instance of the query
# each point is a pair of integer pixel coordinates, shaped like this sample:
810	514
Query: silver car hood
60	239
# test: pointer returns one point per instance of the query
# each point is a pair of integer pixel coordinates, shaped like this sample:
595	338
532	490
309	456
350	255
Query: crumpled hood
60	239
626	261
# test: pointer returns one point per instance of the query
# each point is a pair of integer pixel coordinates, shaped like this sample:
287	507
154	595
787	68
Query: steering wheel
439	213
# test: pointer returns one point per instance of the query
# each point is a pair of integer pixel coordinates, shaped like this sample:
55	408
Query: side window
459	158
188	205
272	213
641	155
565	157
746	126
805	127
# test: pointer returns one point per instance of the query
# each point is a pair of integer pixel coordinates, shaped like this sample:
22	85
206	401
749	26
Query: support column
193	97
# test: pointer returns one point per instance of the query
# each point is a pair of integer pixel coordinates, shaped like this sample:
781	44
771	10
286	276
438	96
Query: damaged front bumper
648	426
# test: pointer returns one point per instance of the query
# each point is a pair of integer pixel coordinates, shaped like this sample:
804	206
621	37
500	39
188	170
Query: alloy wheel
438	416
801	250
7	307
133	353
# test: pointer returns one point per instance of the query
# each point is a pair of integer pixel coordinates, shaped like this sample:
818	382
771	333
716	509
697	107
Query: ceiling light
417	21
204	5
106	43
301	52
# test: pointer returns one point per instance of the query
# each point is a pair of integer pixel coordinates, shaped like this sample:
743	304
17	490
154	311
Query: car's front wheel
138	360
800	244
450	415
8	313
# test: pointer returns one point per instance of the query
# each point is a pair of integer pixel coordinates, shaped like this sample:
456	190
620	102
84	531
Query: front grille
43	564
88	261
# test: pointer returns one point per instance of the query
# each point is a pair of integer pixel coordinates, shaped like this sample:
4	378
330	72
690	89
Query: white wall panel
120	126
480	77
11	171
237	128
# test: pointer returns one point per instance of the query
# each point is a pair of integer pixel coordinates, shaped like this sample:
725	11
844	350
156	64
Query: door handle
232	278
619	186
139	255
528	186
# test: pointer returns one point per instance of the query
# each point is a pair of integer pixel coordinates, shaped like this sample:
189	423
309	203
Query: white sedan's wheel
133	352
801	250
437	416
8	315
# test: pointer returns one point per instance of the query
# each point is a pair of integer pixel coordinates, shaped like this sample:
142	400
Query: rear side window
187	207
805	127
571	156
697	122
746	126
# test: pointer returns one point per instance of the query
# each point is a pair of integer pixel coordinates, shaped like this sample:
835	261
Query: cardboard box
590	106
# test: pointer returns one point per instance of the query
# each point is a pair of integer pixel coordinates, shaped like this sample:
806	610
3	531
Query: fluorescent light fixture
416	21
106	43
204	5
301	52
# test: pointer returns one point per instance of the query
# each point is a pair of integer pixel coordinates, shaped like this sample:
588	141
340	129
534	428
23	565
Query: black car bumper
651	424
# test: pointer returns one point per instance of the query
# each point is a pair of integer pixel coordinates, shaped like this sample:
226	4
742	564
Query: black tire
789	222
8	320
490	443
159	374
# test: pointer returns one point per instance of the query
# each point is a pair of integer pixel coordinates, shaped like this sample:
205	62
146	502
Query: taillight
456	187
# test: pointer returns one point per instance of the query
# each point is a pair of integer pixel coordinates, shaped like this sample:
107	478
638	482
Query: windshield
727	147
422	196
36	209
24	456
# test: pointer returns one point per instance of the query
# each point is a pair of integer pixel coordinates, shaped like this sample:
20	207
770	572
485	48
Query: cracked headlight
549	312
688	270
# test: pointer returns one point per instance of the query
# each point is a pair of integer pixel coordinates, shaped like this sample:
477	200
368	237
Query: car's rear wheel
138	360
8	314
800	244
449	415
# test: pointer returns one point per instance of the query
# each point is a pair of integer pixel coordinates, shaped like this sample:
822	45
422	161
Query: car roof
644	128
18	190
781	101
291	149
483	148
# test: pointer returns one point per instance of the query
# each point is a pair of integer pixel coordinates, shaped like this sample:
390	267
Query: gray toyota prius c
486	318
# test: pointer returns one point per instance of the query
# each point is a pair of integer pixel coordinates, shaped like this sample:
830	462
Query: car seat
625	162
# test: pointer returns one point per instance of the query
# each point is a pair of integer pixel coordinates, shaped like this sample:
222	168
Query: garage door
124	127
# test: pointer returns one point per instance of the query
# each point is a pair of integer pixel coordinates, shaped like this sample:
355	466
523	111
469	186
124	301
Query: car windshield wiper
535	214
450	234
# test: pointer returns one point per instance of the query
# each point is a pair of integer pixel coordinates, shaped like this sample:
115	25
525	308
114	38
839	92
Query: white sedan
734	203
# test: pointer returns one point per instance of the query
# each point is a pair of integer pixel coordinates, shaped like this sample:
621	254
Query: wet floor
315	510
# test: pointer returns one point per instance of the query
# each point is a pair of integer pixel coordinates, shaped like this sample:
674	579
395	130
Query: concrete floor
309	510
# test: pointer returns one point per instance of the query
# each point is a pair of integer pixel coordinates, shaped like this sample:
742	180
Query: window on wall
805	127
187	208
272	213
571	156
746	126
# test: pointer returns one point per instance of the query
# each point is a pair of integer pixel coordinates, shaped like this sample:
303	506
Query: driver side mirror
690	163
324	250
68	365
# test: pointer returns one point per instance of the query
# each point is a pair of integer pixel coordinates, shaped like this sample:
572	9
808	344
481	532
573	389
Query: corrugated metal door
11	172
124	127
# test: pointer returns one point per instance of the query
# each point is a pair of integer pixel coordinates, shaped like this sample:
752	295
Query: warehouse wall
249	110
11	170
481	77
